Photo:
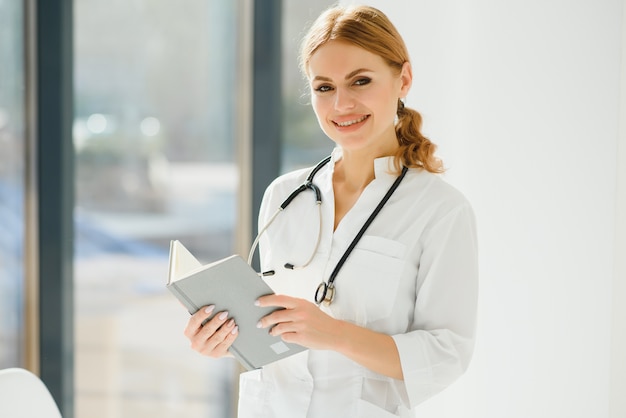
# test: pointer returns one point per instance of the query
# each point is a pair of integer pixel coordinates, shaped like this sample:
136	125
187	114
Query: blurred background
524	99
155	139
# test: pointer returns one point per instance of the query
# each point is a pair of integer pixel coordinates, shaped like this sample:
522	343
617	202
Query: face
355	97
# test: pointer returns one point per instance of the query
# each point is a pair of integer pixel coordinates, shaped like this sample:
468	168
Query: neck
354	174
355	169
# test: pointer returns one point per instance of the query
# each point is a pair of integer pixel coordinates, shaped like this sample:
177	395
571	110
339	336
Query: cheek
384	104
319	109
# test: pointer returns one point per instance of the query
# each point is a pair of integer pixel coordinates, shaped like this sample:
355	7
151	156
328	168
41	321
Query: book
231	285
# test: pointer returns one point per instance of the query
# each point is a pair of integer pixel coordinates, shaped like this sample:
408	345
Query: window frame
49	201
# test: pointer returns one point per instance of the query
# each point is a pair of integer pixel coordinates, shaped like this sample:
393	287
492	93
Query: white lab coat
413	275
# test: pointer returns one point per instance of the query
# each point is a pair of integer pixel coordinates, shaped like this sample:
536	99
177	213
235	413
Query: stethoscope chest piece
325	293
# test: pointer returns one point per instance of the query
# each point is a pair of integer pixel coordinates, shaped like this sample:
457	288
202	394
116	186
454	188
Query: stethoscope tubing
308	184
366	225
325	292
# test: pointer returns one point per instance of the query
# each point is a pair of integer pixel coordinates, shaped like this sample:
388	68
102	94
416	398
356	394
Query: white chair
24	395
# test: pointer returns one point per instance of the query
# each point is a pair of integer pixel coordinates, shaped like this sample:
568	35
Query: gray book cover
231	285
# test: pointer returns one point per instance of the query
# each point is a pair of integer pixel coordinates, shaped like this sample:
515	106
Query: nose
343	99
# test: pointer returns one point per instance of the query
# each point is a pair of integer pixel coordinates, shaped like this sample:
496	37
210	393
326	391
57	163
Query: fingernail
257	303
235	330
259	324
209	309
223	315
230	323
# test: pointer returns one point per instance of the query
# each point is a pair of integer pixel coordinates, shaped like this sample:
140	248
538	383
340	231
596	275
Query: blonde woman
383	291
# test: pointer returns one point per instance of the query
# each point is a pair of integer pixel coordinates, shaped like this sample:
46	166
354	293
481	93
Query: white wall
618	330
523	98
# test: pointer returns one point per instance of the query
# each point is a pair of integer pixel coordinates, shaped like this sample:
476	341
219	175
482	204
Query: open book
231	285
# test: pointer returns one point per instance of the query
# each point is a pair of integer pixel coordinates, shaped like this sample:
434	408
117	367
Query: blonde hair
369	28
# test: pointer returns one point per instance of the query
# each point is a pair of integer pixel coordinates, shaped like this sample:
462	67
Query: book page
182	262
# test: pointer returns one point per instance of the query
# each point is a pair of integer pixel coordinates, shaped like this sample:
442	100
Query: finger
291	337
212	334
285	330
194	325
277	300
231	333
287	333
226	329
214	324
276	317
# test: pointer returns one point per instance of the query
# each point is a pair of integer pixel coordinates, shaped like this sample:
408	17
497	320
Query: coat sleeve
438	347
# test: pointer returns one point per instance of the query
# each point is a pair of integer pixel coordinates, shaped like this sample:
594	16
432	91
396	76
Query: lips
346	123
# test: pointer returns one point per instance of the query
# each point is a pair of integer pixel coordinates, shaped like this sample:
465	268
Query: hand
213	338
301	322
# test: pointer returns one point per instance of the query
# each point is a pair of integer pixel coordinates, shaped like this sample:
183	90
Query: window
12	183
304	142
154	134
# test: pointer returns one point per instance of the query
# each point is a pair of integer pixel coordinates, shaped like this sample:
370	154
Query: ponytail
416	151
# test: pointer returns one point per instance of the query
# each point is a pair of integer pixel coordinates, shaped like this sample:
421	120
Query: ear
406	77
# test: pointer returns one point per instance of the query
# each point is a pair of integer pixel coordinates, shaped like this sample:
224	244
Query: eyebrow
349	76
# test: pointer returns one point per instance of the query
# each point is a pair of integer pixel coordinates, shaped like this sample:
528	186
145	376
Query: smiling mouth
351	122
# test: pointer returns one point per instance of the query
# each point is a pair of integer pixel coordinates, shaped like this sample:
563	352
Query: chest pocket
367	285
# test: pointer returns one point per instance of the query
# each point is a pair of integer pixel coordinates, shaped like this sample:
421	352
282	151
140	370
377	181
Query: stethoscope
325	292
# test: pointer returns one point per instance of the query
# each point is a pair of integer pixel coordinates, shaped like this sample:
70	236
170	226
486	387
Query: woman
400	326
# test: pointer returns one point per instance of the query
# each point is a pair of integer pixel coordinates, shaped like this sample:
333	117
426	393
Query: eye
362	81
322	88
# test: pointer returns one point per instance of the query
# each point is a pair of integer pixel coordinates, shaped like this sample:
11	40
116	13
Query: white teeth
351	122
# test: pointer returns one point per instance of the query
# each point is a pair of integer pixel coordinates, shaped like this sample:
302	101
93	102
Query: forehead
335	59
